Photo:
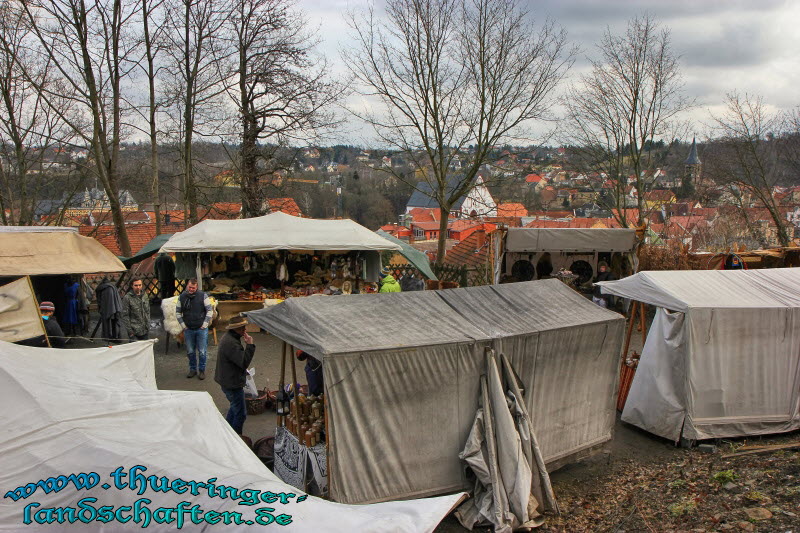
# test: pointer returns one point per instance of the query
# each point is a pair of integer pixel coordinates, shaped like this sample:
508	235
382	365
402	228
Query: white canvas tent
402	377
82	411
276	231
279	231
722	357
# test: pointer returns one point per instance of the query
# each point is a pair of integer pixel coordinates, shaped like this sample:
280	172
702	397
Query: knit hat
385	271
602	264
47	306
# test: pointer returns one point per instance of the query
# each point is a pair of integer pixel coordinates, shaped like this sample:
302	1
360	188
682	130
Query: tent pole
199	273
544	476
643	321
41	320
281	383
296	390
631	319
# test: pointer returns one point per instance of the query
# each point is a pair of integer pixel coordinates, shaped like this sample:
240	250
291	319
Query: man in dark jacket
232	362
603	275
194	313
110	304
136	311
165	271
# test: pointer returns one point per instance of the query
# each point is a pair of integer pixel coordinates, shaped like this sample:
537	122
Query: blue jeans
237	411
196	343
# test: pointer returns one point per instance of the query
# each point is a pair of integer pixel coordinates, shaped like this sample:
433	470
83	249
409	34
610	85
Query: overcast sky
746	45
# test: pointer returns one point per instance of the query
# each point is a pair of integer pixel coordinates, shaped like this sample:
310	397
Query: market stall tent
42	250
402	377
722	357
94	410
575	249
276	231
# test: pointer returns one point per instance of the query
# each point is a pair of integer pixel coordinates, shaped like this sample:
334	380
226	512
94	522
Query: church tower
692	166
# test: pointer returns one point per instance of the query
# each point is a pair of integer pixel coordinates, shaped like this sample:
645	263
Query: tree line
455	80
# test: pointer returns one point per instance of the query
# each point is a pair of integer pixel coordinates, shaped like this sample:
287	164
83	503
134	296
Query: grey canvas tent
402	377
574	249
722	357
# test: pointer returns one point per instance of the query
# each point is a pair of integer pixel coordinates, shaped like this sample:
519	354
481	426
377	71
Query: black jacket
232	361
603	276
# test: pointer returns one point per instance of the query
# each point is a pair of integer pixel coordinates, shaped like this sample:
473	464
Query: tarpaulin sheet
52	253
82	411
726	362
570	239
414	256
402	376
276	231
20	317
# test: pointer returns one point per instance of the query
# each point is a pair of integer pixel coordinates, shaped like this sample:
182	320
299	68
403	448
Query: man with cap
603	275
232	362
51	327
388	283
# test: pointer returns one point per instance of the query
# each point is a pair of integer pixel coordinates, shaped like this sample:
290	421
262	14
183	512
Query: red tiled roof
511	222
138	235
397	230
552	214
574	223
463	223
468	252
422	214
511	210
533	178
463	234
285	205
428	226
660	195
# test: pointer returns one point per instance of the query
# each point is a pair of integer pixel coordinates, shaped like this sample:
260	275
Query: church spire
693	159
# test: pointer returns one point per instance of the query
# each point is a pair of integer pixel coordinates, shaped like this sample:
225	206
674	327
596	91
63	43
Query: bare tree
86	42
150	40
747	153
627	102
196	52
30	129
451	74
280	92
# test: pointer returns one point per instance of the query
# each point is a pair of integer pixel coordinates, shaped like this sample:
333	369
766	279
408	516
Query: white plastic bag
250	390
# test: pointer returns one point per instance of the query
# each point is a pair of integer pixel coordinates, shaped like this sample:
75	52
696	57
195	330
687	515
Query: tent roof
570	239
149	249
326	325
276	231
44	252
414	256
93	410
681	290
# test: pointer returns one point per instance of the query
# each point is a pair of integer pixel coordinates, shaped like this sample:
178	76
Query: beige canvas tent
402	377
43	250
722	357
20	317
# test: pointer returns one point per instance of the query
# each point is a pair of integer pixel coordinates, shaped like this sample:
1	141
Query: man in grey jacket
136	311
232	362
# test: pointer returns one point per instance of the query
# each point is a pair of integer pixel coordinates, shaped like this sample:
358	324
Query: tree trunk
444	214
154	187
